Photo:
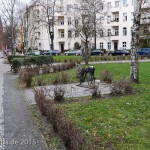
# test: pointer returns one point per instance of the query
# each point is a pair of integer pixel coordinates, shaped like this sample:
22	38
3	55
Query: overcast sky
26	1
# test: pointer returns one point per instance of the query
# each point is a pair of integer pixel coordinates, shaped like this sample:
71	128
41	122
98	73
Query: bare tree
11	13
87	22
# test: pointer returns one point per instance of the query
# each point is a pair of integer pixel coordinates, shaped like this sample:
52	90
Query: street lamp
52	38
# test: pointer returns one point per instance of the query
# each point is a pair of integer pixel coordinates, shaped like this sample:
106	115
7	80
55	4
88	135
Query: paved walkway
17	129
71	90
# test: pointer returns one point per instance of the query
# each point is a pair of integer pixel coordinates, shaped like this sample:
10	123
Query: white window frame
69	34
124	3
101	33
124	31
62	34
124	45
109	32
125	17
101	45
69	20
116	4
109	45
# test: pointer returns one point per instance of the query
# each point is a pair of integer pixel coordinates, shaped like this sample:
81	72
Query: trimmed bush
71	136
106	76
59	93
122	86
61	78
16	64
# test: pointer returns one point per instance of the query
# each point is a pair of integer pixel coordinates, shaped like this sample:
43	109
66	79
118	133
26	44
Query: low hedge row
67	131
38	61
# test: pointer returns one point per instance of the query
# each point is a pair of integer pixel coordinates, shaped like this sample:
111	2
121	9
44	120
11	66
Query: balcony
114	37
61	39
114	22
114	9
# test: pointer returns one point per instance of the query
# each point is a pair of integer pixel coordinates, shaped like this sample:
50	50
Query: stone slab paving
71	90
3	69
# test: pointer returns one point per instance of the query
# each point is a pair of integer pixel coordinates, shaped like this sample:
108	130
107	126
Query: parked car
52	52
35	52
97	52
144	51
28	53
119	52
73	52
55	52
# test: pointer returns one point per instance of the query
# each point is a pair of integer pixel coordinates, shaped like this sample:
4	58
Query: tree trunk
134	72
86	53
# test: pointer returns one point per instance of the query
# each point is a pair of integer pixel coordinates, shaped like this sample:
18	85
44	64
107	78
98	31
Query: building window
60	21
101	45
75	6
101	7
62	34
116	4
76	22
109	32
69	20
109	45
50	10
124	3
68	7
69	34
76	34
108	5
101	33
124	31
132	1
124	45
116	17
124	16
116	31
108	19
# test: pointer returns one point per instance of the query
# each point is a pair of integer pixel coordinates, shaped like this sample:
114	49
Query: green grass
122	72
118	122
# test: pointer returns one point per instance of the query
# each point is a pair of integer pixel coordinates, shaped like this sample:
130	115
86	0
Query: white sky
25	1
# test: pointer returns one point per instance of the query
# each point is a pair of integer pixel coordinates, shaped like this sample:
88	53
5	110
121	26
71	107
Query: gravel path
20	133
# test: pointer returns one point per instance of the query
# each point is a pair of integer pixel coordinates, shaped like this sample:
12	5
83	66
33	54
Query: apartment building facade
114	33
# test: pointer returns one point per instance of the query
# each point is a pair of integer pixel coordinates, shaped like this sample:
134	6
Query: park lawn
117	73
118	122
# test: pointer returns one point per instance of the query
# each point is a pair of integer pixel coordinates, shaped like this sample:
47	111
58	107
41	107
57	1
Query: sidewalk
20	132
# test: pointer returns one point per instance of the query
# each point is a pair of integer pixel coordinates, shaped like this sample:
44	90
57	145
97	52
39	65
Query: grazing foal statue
87	74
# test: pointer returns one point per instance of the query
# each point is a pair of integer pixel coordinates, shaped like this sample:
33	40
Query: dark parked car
144	51
55	52
97	52
119	52
52	52
73	52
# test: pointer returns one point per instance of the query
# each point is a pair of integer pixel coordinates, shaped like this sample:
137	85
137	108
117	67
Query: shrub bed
71	136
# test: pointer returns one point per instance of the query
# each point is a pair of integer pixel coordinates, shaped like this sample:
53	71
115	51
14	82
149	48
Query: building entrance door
62	47
115	45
